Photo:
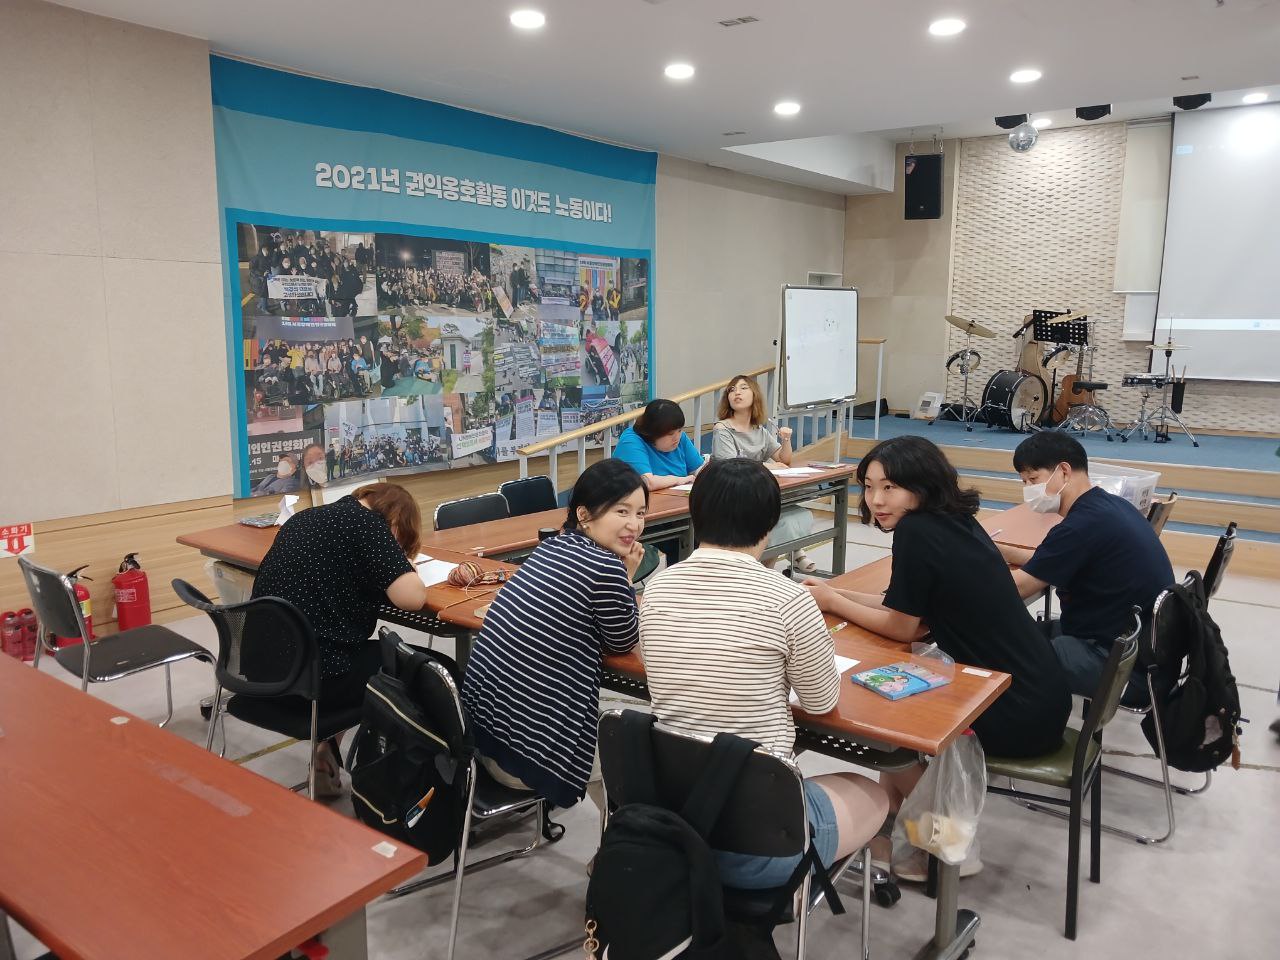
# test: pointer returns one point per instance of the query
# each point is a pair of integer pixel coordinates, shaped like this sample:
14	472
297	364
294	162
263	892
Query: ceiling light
1026	75
787	108
1041	122
528	19
679	71
1253	98
947	27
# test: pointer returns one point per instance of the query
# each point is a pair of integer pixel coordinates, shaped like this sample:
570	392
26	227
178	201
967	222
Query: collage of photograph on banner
380	353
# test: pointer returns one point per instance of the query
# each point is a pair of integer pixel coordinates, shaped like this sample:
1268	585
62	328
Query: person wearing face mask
532	685
949	579
285	479
313	464
338	564
1103	557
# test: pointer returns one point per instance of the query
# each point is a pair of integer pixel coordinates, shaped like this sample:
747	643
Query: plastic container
1136	486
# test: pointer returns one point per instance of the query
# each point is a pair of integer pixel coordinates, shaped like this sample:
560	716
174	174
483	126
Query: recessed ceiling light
786	108
679	71
1041	122
1026	75
528	19
947	27
1253	97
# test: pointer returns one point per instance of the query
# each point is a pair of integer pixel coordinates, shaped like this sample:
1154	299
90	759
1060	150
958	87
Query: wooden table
119	839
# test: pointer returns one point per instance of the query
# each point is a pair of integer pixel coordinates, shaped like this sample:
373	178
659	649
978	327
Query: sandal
804	564
328	773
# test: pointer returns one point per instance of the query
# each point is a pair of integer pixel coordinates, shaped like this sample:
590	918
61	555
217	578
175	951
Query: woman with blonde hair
743	431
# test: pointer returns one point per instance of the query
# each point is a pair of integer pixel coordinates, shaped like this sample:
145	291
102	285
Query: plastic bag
941	814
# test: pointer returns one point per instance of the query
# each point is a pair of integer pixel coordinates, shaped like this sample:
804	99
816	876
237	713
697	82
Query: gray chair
486	800
529	495
469	510
1076	766
274	684
766	816
53	596
1216	571
1159	511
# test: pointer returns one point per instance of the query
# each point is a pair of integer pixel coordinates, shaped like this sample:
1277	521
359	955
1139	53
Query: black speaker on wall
923	174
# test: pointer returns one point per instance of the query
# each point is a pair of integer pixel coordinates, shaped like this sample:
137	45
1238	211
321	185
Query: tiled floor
1209	892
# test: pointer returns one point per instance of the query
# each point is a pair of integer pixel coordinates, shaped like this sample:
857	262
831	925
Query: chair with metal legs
486	799
1076	766
101	660
274	680
767	815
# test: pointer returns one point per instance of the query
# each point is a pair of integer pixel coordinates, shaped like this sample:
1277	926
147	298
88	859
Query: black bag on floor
410	757
1200	712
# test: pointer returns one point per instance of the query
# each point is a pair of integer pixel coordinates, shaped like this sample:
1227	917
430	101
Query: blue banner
442	238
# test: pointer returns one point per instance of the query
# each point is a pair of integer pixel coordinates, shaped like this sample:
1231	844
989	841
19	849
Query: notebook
897	680
843	664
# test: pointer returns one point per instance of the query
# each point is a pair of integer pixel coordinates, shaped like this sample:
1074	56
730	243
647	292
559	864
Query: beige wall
902	271
115	386
726	242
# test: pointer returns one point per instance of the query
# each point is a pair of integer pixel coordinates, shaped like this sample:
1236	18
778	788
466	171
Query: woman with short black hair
724	639
532	683
658	448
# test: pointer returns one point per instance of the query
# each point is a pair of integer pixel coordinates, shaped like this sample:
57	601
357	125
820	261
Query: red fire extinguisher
31	629
133	594
86	609
13	635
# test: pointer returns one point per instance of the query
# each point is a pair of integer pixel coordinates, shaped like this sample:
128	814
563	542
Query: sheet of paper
287	503
681	488
843	665
796	471
432	571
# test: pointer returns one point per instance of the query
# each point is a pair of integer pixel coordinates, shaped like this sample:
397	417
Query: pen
416	811
997	530
839	626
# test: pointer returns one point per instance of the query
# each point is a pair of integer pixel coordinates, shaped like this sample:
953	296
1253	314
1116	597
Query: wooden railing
551	445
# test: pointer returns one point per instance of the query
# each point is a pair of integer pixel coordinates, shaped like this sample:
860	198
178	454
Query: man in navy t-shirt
1103	557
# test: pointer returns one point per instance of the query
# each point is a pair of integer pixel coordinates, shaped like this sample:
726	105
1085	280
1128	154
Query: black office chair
1076	766
1159	511
1216	571
486	799
53	596
461	513
275	682
529	495
766	816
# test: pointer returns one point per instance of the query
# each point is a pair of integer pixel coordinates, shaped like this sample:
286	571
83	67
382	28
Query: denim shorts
746	872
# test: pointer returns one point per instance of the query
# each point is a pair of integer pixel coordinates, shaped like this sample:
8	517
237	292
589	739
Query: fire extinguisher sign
16	539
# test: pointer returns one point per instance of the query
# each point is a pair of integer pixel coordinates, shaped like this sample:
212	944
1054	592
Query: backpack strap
716	782
809	860
637	747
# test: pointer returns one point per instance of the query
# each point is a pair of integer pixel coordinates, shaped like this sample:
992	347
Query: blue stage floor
1244	453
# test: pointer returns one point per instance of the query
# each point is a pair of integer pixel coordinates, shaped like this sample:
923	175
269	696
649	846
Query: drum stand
1086	417
969	359
1146	421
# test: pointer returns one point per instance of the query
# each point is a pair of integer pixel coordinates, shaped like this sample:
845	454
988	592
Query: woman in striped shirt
724	639
532	685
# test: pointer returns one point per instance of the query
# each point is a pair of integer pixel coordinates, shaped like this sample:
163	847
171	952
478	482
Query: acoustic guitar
1066	399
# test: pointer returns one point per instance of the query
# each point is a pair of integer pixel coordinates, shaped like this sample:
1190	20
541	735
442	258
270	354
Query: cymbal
970	326
1068	317
1168	346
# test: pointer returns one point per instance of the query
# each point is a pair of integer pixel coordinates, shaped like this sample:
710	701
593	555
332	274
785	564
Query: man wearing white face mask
1103	557
313	464
284	480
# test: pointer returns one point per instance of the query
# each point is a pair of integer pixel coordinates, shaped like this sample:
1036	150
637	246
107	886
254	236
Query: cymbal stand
968	358
1165	413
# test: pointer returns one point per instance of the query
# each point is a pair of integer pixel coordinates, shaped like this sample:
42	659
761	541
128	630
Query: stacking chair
1076	766
1221	559
486	800
275	684
460	513
53	595
1159	511
529	495
766	816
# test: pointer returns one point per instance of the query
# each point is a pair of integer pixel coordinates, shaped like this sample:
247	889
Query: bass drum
1014	399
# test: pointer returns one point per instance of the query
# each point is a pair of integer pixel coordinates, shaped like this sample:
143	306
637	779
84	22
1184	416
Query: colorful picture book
897	680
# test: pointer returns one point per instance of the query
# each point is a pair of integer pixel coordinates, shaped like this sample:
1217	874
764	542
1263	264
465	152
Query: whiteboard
819	349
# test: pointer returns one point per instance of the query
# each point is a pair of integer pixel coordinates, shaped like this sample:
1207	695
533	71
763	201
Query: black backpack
410	758
1200	710
655	891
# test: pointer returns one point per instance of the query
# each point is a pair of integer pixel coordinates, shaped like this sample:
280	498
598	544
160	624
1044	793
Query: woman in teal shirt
658	448
660	451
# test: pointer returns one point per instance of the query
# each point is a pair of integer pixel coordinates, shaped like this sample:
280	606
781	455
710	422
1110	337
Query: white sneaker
804	564
915	869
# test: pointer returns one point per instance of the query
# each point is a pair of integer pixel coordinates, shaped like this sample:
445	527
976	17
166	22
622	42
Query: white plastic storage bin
1136	486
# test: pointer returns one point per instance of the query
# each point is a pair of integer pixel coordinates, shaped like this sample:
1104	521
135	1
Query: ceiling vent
739	21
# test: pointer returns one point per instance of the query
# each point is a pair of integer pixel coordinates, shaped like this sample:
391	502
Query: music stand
1074	332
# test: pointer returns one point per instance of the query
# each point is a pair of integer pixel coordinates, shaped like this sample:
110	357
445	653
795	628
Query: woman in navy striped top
532	685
